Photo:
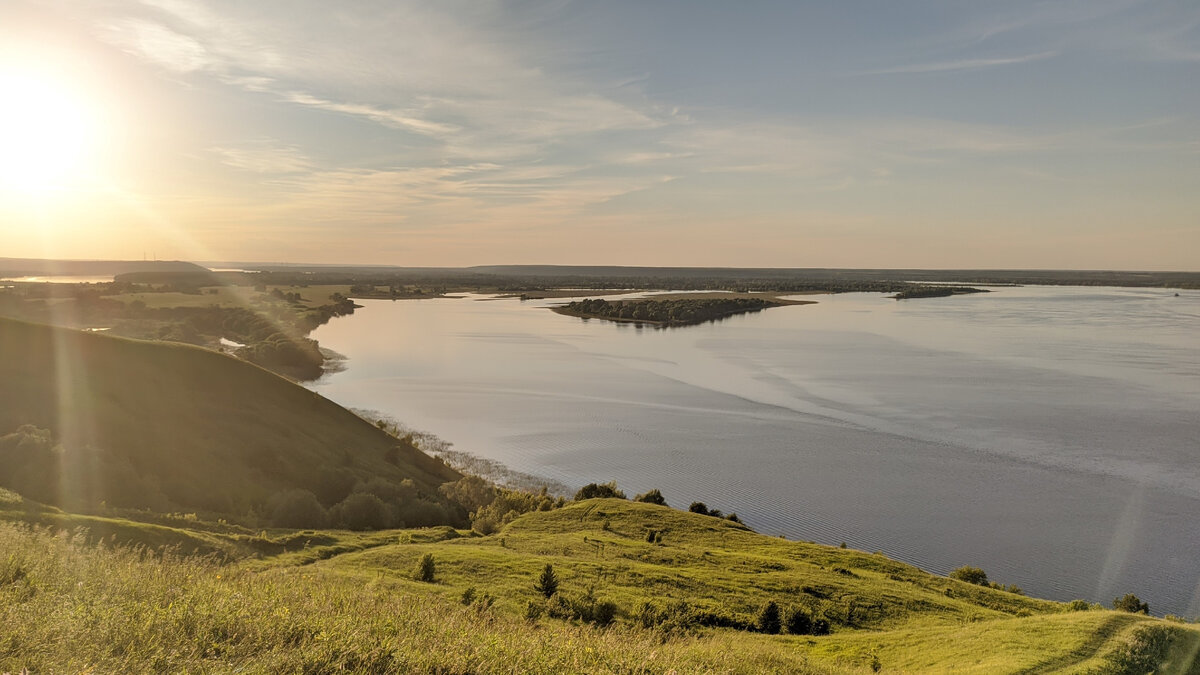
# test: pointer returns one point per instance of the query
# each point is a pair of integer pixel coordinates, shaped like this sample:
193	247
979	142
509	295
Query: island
936	292
673	310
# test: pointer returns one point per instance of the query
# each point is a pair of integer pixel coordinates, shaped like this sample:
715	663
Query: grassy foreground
330	601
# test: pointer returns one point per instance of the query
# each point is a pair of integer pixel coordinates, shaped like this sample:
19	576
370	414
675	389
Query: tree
425	569
594	491
547	584
651	497
699	507
799	622
971	575
1131	603
296	508
768	618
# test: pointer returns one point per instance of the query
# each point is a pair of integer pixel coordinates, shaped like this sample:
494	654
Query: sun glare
47	133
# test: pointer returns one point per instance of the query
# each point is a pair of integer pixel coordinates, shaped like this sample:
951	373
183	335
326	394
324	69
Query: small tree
1131	603
547	584
651	497
768	618
799	622
699	507
425	569
971	575
594	491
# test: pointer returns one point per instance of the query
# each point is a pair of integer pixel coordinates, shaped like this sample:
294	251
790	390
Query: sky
886	133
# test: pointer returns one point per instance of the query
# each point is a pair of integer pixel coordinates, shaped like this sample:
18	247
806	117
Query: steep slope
170	426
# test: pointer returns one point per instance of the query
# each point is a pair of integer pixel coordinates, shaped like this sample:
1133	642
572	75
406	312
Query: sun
47	133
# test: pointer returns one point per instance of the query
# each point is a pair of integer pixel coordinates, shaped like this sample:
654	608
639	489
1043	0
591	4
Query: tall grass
70	606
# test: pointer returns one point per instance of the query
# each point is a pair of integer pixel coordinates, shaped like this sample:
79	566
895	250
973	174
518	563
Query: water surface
1048	435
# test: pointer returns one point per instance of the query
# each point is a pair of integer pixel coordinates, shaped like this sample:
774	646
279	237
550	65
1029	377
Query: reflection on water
1048	435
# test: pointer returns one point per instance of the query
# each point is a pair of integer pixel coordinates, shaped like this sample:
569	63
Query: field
332	601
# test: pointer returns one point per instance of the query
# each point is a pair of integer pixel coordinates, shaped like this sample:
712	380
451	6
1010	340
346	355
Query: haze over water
1048	435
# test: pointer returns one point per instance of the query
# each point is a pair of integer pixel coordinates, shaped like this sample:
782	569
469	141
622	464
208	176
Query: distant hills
14	267
88	420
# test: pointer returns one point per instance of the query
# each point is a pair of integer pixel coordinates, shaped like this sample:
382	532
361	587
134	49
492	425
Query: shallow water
1048	435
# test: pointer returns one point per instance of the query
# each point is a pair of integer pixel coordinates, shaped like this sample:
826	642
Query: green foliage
507	505
768	620
425	569
1131	603
679	312
599	491
296	508
362	511
970	575
547	583
468	596
799	622
1078	606
651	497
699	507
586	608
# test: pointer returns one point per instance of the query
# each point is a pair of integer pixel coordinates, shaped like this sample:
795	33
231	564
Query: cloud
962	64
264	156
158	44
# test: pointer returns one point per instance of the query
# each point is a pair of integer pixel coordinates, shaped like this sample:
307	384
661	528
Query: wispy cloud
264	156
962	64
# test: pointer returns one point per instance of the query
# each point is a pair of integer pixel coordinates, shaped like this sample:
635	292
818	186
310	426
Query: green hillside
336	601
88	420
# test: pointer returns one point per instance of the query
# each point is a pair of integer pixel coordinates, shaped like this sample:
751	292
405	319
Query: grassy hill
87	419
348	602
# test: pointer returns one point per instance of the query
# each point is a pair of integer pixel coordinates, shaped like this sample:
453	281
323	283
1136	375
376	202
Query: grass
338	601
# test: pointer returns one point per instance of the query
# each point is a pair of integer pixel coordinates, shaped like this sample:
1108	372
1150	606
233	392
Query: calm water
1048	435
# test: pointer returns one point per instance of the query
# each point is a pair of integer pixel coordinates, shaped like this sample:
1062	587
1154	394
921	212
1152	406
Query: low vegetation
665	312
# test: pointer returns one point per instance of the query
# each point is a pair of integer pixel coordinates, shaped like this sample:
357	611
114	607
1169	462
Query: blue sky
850	134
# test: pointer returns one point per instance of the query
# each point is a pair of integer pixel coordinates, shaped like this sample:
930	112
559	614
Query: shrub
820	627
1131	603
425	570
650	536
595	491
799	622
547	583
768	618
296	508
651	497
971	575
1078	606
468	596
362	511
699	507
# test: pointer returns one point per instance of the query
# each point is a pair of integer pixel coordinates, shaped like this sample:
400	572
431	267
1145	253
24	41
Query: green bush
426	569
768	618
1131	603
799	622
651	497
971	575
547	583
296	509
596	491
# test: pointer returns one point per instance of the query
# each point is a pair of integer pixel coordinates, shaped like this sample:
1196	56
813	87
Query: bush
1078	606
547	583
698	507
651	497
768	618
468	596
820	627
595	491
1131	603
296	509
799	622
362	511
425	571
971	575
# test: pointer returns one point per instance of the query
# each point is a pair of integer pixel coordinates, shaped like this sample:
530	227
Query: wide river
1049	435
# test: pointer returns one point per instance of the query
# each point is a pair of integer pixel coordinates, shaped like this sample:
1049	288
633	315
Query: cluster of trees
702	509
376	504
797	621
668	312
936	292
76	478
